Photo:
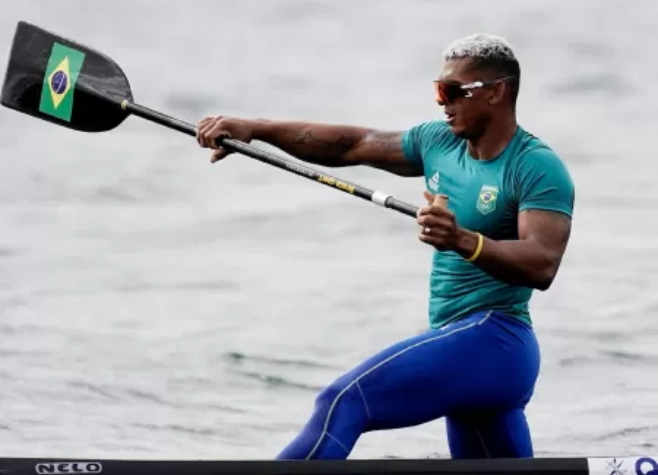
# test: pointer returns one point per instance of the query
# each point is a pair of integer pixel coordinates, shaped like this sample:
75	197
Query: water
153	305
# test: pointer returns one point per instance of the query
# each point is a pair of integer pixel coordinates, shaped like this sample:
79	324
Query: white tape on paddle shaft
379	198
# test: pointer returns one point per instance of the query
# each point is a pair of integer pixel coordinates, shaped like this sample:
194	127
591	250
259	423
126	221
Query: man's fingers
425	210
207	130
201	127
434	209
438	232
215	135
444	219
436	200
429	197
430	220
206	133
440	201
218	154
204	122
435	242
436	221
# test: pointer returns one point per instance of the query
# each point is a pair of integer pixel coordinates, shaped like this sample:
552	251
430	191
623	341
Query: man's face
466	116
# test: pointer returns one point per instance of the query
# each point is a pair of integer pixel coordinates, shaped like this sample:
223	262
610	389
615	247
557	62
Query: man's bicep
546	195
550	228
385	150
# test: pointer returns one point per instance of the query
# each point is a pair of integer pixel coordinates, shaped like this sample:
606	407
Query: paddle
71	85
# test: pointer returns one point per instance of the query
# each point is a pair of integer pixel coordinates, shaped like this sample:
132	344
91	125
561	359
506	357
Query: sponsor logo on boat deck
45	468
59	81
623	466
646	466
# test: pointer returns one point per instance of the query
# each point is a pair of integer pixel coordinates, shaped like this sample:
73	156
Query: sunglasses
449	91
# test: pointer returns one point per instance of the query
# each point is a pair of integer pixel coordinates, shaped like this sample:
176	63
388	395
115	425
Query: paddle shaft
376	197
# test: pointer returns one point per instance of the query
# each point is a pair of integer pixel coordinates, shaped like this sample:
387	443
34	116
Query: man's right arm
322	144
339	145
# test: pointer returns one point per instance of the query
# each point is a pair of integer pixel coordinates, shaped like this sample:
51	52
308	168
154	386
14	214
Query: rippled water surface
153	305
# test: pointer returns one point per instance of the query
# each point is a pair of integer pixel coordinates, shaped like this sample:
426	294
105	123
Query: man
500	203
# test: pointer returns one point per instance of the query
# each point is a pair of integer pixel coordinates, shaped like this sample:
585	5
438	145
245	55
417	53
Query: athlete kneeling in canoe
507	223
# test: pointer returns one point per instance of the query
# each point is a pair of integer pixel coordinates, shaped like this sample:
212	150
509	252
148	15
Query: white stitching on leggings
338	442
377	366
484	446
363	396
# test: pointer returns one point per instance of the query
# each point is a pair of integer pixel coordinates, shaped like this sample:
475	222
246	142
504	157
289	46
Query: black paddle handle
377	197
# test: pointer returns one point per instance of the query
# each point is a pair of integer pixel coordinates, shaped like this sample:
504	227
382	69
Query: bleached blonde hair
489	53
480	46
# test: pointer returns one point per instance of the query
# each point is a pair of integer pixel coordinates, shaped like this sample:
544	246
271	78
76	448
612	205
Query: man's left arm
545	194
532	261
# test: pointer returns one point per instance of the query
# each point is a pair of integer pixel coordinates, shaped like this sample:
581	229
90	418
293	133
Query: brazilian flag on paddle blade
59	83
63	81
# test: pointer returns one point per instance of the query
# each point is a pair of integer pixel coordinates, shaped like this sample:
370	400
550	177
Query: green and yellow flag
59	81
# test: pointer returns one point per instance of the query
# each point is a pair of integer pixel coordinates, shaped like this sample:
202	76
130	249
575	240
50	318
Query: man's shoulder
541	177
434	135
435	125
535	152
430	129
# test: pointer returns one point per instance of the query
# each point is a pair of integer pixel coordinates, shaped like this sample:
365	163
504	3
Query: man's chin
458	130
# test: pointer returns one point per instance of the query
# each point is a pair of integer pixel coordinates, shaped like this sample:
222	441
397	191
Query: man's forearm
322	144
523	263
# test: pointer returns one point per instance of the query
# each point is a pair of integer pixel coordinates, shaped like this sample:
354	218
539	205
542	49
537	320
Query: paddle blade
64	82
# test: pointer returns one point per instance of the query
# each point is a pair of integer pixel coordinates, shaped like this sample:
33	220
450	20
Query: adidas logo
433	183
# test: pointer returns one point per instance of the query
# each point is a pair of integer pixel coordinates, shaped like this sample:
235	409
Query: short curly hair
490	54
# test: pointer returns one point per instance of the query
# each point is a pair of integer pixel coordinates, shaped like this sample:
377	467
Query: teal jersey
486	196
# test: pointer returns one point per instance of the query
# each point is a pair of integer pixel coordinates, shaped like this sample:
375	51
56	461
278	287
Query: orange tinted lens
438	92
446	92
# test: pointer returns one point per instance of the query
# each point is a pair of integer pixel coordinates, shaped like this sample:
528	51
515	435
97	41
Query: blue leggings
479	373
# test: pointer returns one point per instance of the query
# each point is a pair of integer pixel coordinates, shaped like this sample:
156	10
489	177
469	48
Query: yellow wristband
478	249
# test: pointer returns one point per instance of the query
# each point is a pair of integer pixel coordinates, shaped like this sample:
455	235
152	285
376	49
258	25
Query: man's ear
497	93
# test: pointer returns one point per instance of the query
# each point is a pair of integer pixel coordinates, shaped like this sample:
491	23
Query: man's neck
498	135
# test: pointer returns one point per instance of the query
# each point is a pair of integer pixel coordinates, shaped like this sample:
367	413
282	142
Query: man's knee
340	402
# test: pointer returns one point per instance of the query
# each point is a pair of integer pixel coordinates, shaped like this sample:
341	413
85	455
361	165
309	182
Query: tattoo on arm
310	145
339	146
386	141
383	150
